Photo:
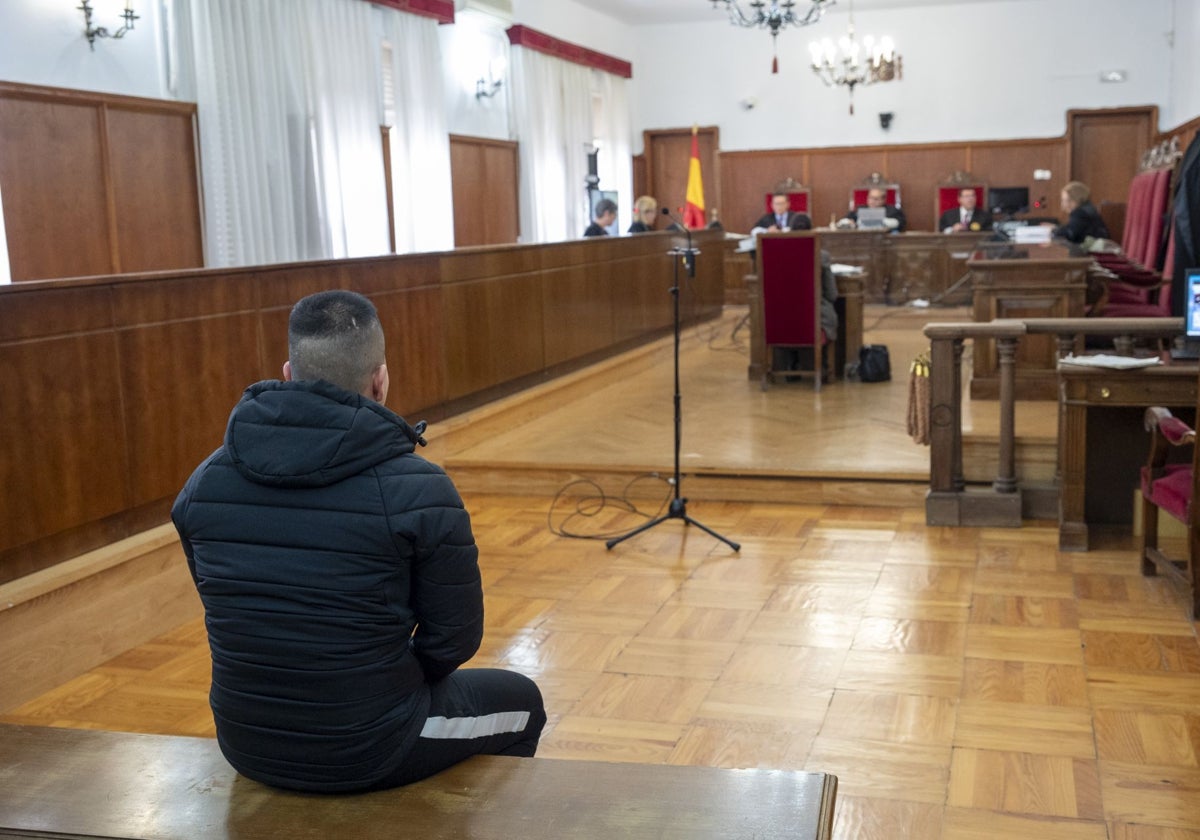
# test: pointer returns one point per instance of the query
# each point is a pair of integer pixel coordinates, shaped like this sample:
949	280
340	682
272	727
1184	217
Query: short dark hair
605	205
335	336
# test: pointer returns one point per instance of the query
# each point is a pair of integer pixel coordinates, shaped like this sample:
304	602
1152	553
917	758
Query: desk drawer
1142	391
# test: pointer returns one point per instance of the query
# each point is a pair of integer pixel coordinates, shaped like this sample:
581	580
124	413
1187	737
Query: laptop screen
871	217
1192	304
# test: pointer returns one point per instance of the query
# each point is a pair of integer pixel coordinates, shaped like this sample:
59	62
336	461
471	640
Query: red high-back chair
946	196
858	193
789	270
799	196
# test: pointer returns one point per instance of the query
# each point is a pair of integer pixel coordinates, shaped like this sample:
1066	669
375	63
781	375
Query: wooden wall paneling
493	332
577	307
747	176
1011	164
834	172
63	456
152	159
502	200
1106	146
193	372
467	179
483	174
408	295
641	294
53	308
52	176
918	170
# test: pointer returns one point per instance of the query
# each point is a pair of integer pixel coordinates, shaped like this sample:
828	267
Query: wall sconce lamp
486	88
94	32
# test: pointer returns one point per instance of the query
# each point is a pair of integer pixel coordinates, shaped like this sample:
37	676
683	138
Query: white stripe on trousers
462	728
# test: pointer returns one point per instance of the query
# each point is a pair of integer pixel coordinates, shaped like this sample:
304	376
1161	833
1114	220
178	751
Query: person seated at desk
606	214
877	197
1083	219
966	216
781	217
645	212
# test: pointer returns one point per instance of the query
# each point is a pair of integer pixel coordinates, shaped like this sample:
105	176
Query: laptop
1188	347
871	218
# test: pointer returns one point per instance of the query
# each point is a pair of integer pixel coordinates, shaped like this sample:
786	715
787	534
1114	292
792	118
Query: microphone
689	255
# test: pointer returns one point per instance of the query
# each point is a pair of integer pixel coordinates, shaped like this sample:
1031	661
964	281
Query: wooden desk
849	306
89	784
1024	281
1101	442
905	266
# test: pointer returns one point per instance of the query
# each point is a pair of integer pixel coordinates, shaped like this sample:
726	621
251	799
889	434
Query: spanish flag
693	212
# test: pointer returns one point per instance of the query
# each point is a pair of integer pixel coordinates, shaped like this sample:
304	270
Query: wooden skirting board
63	621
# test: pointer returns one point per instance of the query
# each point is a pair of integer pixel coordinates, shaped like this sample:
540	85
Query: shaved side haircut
335	336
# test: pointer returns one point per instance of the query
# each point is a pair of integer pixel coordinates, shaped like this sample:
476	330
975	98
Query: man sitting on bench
340	581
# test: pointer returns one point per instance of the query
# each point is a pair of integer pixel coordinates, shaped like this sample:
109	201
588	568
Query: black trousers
475	711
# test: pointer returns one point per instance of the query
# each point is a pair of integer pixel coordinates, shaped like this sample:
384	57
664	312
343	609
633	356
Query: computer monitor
1008	201
1189	348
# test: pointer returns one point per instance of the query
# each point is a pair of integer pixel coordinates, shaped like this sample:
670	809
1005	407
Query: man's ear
287	371
379	384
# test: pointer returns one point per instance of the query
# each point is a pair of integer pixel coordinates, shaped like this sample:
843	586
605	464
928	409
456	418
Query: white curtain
552	115
615	132
287	95
420	140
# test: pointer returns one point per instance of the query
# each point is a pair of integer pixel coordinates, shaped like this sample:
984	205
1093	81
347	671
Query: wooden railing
950	500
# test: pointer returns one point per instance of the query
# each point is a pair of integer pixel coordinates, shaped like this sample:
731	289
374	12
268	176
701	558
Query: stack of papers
1102	360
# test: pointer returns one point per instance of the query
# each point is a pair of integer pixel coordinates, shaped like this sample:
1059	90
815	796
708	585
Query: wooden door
1106	146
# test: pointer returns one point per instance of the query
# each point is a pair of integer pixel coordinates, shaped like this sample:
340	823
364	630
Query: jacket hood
311	434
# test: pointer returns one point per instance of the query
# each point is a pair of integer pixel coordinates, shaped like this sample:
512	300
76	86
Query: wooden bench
84	784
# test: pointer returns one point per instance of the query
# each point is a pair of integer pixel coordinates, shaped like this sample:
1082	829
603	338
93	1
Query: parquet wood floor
962	683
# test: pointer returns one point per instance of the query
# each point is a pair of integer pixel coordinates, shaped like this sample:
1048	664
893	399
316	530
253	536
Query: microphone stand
678	506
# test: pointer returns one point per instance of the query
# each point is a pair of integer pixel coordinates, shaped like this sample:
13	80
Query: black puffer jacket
339	577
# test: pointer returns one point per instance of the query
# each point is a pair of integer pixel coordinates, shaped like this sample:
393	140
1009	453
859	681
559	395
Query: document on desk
843	268
1111	362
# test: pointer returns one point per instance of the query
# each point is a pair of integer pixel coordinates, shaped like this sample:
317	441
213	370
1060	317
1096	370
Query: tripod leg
636	531
711	532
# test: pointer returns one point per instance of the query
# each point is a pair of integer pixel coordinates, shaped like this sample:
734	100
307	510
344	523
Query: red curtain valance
523	36
440	10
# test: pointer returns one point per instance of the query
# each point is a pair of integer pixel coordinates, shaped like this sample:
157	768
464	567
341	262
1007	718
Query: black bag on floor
873	363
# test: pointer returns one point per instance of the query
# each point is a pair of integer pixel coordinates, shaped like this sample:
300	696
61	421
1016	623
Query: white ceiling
691	11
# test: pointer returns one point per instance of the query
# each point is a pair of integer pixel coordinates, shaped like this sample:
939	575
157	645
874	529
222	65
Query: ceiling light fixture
773	16
851	64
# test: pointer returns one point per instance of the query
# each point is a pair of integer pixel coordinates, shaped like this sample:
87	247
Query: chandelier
773	16
852	64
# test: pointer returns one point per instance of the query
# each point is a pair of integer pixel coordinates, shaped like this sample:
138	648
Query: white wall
1185	68
984	69
42	43
469	48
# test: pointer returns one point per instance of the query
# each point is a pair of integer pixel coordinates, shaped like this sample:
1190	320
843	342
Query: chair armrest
1176	432
1166	430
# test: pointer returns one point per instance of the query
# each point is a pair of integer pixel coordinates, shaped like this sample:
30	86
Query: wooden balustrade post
1006	479
959	482
945	410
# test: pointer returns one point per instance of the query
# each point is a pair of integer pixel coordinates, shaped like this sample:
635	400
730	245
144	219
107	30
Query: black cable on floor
594	504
